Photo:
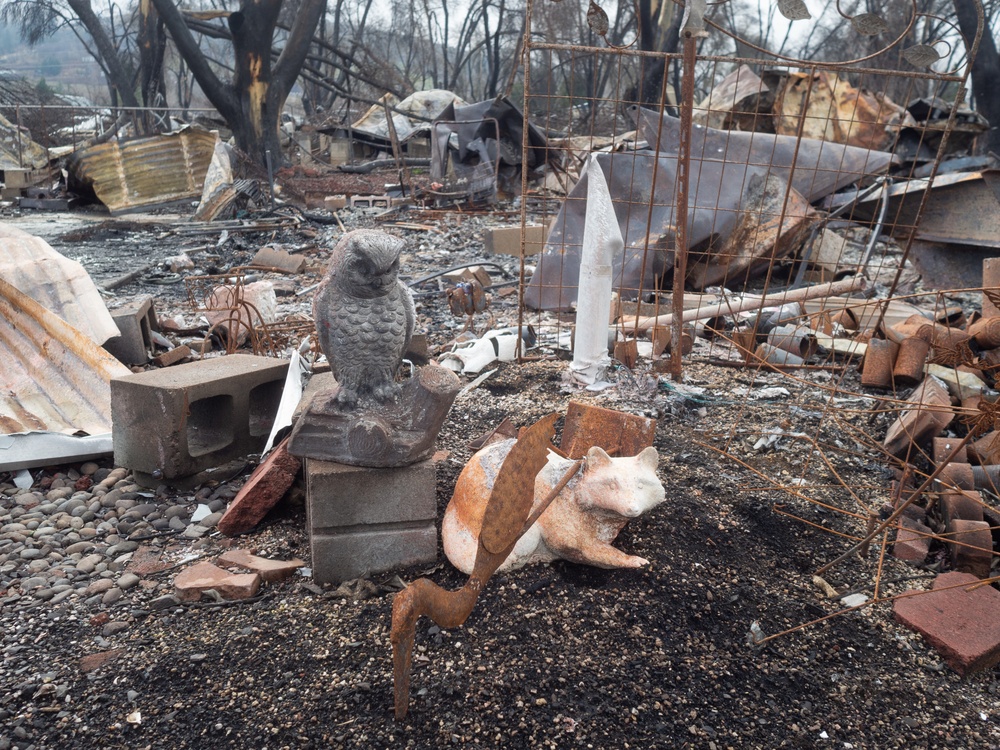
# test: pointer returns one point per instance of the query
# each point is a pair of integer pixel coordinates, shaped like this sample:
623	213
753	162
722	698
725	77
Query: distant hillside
61	60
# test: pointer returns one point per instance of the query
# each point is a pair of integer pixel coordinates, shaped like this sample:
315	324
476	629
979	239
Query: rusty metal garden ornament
507	516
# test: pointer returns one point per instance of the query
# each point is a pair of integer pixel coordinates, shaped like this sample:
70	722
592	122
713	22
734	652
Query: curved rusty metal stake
508	515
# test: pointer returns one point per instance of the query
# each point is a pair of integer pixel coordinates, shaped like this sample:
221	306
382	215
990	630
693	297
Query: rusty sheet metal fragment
507	516
145	173
616	432
837	112
422	106
52	378
59	284
773	224
722	165
963	208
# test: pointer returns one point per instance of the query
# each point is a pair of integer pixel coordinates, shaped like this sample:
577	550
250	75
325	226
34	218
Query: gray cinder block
173	423
135	321
366	520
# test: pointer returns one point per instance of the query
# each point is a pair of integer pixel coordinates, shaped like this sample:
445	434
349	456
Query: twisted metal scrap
507	516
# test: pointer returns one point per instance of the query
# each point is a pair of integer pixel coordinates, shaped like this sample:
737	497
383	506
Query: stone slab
268	569
191	582
962	625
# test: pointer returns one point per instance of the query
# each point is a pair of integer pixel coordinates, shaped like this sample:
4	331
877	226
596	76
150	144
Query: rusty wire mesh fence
775	216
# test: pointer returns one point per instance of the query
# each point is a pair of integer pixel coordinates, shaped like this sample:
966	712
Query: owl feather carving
364	315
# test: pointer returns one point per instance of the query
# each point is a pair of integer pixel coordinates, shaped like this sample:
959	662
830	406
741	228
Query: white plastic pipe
602	240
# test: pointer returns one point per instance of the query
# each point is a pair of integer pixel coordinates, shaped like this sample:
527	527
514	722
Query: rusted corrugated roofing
52	377
146	172
58	283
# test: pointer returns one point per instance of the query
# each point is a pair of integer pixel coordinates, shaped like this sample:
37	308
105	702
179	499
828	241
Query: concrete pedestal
364	521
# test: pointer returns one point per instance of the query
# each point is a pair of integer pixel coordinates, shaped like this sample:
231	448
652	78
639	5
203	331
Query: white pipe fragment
602	240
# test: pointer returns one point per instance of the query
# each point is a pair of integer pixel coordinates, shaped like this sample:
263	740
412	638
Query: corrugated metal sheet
51	377
59	284
146	172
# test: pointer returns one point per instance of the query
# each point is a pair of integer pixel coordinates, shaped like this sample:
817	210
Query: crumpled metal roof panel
52	377
146	173
58	283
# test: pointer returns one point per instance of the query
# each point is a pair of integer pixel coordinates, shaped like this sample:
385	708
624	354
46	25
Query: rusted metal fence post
692	30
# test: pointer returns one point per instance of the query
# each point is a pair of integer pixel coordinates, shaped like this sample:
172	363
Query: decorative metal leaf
794	10
597	19
921	55
993	295
514	488
868	24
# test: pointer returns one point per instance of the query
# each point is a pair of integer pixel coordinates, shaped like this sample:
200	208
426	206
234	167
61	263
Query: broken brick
263	490
172	357
279	260
928	414
966	505
190	583
618	433
93	662
970	544
146	560
913	541
962	624
268	570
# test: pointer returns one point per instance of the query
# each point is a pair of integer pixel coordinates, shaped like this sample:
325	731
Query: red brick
204	576
971	546
913	540
262	491
93	662
146	560
963	626
268	570
966	505
172	357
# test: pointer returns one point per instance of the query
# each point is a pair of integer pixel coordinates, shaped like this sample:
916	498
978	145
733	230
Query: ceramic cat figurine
579	525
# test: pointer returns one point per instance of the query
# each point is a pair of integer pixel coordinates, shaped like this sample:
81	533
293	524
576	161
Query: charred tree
985	69
252	102
659	31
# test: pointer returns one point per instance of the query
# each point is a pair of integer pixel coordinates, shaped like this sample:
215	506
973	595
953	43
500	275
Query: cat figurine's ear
649	458
597	457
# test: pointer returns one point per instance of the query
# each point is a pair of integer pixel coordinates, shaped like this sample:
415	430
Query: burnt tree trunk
152	47
659	31
985	70
120	80
252	102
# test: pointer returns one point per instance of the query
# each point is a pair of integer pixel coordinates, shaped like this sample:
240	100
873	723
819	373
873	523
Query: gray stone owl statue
364	315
